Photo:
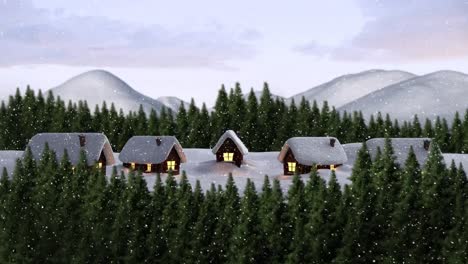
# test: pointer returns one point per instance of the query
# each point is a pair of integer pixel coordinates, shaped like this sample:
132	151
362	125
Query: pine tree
183	129
387	185
202	129
457	135
227	221
266	120
402	244
249	130
155	239
141	122
332	231
416	131
301	119
137	201
153	123
357	245
315	237
435	205
272	215
21	240
204	229
237	109
288	125
245	246
221	117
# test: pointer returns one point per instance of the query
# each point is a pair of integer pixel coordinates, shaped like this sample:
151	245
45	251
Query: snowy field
201	165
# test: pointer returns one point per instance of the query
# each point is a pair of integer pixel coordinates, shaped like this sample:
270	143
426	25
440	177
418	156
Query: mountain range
398	93
97	86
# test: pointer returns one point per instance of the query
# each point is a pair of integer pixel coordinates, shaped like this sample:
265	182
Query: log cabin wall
160	167
173	155
102	159
231	147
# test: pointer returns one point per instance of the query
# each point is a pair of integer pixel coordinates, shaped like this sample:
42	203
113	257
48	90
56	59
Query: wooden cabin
96	146
401	147
230	148
153	154
299	154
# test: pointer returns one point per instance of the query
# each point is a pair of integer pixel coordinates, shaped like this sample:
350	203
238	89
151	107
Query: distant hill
258	94
97	86
436	94
347	88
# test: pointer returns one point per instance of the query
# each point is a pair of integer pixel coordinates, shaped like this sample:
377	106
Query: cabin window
292	166
99	165
332	167
148	167
171	165
132	165
228	156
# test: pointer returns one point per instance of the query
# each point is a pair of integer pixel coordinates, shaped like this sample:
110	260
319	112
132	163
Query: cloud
31	35
398	30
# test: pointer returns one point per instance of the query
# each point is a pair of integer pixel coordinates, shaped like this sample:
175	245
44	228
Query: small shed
96	146
230	148
401	147
300	153
153	154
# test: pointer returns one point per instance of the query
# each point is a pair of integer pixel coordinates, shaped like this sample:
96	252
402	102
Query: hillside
97	86
437	94
347	88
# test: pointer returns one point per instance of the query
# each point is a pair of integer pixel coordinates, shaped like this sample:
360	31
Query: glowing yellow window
332	167
132	165
148	167
99	165
292	166
228	156
171	165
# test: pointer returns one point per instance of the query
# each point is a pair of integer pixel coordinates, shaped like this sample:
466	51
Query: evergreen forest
49	213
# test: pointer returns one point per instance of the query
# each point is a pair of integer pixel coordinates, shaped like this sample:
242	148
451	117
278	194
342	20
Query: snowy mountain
437	94
258	94
347	88
172	102
97	86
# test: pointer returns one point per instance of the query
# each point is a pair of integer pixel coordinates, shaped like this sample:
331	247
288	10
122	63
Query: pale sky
189	48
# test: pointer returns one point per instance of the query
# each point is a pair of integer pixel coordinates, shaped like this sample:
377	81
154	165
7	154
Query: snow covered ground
201	165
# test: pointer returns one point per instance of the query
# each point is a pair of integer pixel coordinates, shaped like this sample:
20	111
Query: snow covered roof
233	136
314	150
457	158
401	147
145	149
94	144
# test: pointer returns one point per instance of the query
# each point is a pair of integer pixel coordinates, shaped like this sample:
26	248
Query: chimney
82	140
158	141
427	143
332	142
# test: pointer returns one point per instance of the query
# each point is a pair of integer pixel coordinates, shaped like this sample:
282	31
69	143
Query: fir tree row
50	213
263	124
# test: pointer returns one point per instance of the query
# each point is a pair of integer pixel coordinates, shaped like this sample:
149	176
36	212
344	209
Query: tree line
416	213
263	124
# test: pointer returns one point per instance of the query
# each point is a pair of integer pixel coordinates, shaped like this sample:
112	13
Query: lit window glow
171	165
228	156
332	167
148	167
132	165
99	165
292	166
